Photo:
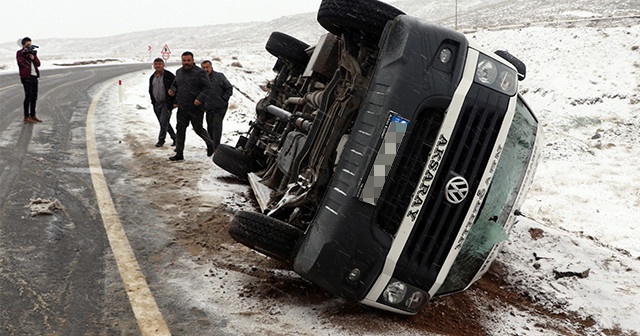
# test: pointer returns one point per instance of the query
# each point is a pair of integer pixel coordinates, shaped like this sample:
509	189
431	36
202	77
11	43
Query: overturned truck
389	159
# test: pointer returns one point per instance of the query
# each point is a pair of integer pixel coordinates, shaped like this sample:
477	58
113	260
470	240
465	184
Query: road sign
166	52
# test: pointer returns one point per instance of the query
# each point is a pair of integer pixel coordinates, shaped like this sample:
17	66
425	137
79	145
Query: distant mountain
242	38
230	38
238	38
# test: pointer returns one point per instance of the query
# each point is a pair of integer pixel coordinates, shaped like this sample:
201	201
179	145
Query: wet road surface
58	274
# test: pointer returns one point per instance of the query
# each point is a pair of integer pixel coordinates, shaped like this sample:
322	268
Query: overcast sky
40	19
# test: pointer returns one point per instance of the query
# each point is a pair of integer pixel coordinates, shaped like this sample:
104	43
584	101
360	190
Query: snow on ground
203	287
584	87
583	84
582	210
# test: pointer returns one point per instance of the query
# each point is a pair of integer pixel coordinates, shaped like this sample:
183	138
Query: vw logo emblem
457	189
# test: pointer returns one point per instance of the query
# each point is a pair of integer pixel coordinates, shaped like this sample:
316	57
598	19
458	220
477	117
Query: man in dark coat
28	63
190	89
159	84
217	102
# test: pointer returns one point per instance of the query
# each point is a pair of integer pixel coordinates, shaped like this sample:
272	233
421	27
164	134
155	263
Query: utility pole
456	14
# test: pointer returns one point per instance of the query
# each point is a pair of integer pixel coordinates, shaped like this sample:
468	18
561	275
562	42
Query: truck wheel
265	234
233	161
287	47
356	17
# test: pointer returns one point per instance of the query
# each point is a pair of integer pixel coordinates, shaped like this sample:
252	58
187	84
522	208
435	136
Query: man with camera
28	64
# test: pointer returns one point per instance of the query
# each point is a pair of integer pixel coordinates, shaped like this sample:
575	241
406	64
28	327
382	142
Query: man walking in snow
159	84
217	102
28	63
190	89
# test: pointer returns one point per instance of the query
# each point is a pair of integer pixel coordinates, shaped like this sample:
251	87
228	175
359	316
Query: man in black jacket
159	84
217	102
190	89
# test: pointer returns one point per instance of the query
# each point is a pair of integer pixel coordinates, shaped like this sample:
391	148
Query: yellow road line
144	306
8	87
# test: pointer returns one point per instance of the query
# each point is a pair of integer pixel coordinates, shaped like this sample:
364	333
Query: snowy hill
251	37
204	41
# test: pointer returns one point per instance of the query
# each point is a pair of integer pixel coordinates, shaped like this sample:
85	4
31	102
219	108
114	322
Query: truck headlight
486	71
395	292
415	301
495	75
404	296
507	81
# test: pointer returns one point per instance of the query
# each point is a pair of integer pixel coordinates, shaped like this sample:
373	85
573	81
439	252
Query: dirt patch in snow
201	229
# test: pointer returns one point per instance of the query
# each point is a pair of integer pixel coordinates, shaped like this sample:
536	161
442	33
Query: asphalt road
58	273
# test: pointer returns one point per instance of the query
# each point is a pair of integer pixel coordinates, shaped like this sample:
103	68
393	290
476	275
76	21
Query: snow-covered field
583	208
584	85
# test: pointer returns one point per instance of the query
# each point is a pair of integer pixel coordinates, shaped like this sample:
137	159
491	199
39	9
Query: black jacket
221	91
168	78
190	85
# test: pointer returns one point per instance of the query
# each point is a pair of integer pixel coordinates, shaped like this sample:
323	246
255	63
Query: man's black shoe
159	143
210	150
176	157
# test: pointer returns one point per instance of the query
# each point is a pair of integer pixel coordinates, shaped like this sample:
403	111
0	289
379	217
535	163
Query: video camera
31	49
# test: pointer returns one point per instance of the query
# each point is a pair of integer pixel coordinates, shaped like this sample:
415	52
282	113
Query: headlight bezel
411	300
491	73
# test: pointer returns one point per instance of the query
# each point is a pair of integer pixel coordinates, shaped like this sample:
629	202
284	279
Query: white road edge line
144	306
7	87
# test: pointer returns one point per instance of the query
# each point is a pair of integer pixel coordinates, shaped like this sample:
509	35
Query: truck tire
234	161
274	238
362	18
288	48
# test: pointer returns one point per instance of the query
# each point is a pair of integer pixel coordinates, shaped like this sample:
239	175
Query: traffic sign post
166	52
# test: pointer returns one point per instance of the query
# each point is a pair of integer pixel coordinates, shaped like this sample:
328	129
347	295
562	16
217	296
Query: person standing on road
217	102
159	84
190	89
28	63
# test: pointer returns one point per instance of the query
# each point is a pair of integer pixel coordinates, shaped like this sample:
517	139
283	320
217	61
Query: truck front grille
405	175
439	222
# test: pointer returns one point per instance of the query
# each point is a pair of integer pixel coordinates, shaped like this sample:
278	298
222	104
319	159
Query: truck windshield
488	230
